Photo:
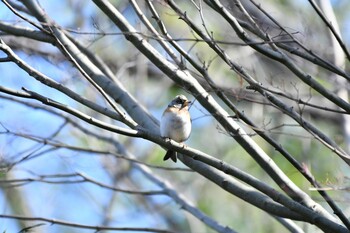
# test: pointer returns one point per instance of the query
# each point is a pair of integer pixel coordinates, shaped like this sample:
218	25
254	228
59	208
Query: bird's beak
188	103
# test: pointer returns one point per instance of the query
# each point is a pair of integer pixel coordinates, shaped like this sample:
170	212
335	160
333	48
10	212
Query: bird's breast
175	125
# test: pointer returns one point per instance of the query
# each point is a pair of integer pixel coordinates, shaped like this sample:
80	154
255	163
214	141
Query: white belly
175	127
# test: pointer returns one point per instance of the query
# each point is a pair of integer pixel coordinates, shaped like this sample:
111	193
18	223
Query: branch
81	115
26	32
124	118
161	41
60	145
330	26
52	179
265	136
310	55
186	150
323	138
291	226
299	101
77	225
186	80
280	57
113	88
181	201
205	158
24	18
52	83
252	197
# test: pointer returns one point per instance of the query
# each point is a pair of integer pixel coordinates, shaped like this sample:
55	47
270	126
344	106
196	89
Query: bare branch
82	226
51	83
24	18
280	57
260	88
114	89
330	26
57	179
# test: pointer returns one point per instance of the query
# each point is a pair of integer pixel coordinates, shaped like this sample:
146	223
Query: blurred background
55	164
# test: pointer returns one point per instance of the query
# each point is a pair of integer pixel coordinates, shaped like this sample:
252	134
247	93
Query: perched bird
176	123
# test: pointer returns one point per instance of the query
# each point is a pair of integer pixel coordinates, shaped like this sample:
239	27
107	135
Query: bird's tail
170	154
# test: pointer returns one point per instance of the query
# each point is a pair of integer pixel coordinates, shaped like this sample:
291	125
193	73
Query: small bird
176	123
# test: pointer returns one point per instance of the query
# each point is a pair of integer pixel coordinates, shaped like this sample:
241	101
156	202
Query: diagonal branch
186	80
320	136
113	88
330	26
53	84
272	208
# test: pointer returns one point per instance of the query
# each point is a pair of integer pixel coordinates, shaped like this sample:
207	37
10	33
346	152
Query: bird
176	123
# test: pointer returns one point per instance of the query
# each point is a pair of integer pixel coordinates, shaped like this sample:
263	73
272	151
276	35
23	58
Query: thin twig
84	226
330	26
